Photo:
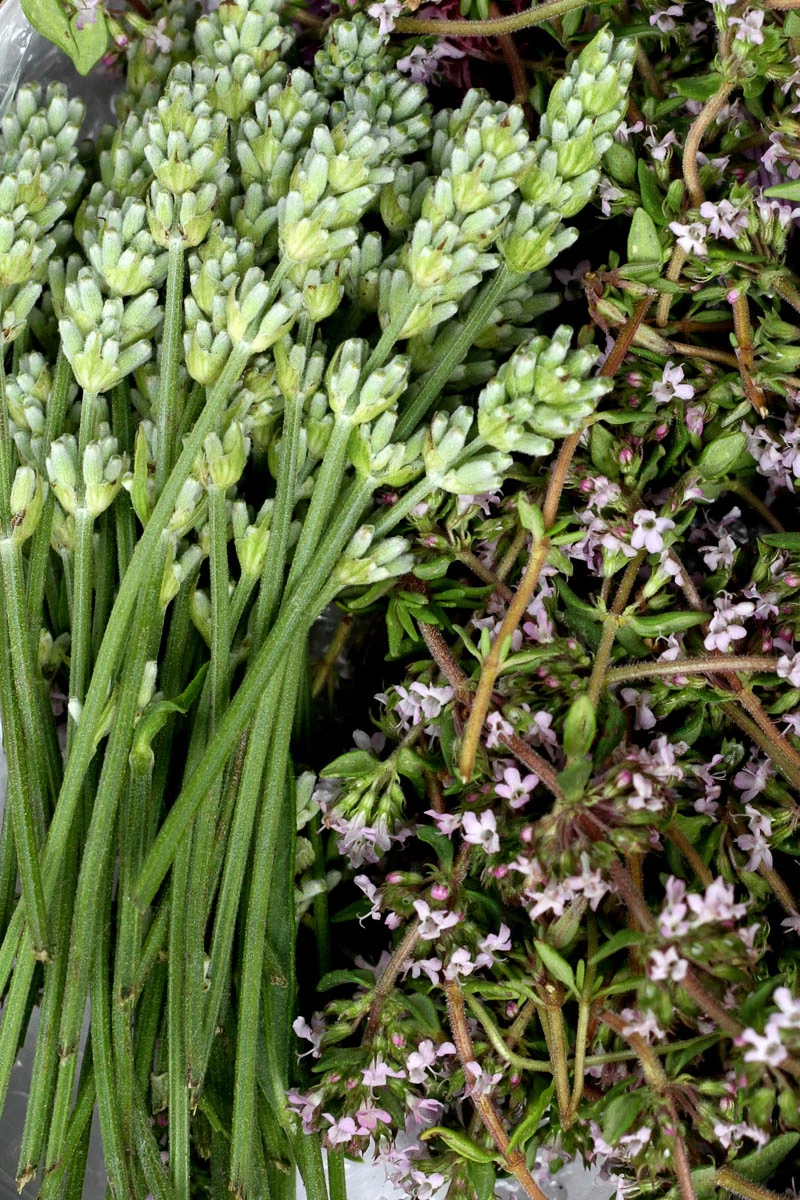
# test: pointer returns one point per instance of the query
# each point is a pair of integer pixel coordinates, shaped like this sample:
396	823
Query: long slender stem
685	847
455	345
313	592
610	626
116	636
220	604
520	1061
692	666
491	28
732	1181
97	852
37	725
336	1179
244	1096
81	634
493	661
26	814
166	408
514	1160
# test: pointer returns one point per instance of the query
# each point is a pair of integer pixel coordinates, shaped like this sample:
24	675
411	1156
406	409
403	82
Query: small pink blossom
789	668
516	789
648	531
671	385
749	26
481	830
667	964
644	718
422	65
313	1033
691	238
433	921
499	728
385	13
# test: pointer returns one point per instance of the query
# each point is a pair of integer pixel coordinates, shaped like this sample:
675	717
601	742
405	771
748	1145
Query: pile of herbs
386	664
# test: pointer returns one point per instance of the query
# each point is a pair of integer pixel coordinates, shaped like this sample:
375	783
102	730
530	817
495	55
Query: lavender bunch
200	429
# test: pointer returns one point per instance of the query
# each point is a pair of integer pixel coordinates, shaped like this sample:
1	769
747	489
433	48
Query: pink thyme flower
725	626
385	13
481	830
671	385
667	964
691	238
516	789
422	65
637	700
789	668
749	26
313	1033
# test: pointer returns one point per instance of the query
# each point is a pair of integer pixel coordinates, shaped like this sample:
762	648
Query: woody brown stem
685	847
534	762
442	655
656	1077
388	979
514	1159
779	889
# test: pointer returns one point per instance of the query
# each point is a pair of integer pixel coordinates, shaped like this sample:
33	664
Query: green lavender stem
26	815
81	639
313	593
236	861
114	643
244	1096
105	1076
96	853
456	346
166	414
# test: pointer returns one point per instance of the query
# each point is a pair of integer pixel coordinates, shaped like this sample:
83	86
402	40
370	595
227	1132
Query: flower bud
62	471
26	501
226	459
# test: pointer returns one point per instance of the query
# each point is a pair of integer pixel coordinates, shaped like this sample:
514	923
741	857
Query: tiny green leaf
644	244
558	967
482	1177
719	456
355	764
663	623
579	728
460	1143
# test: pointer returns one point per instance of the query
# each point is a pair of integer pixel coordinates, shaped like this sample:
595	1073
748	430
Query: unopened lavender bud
187	217
62	471
483	474
25	503
205	351
103	469
445	440
226	459
178	572
148	686
382	389
342	377
251	541
190	508
322	292
360	542
388	560
318	425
